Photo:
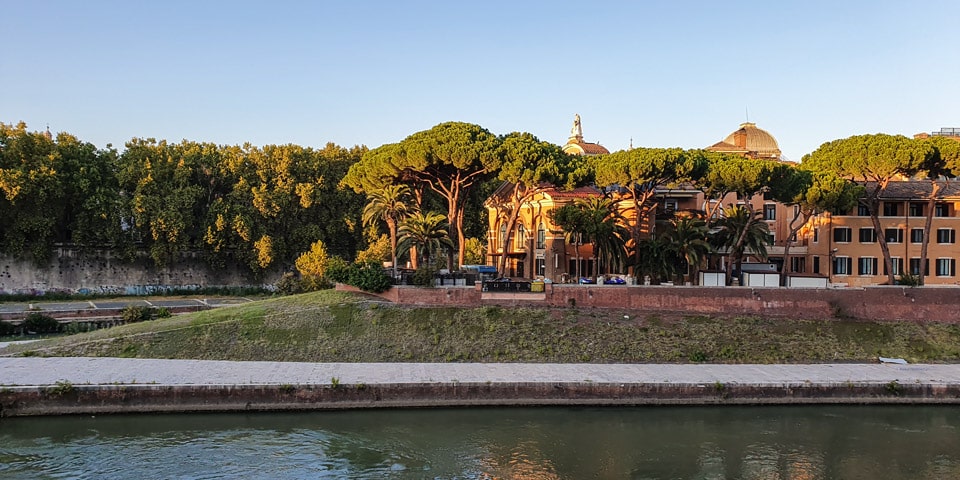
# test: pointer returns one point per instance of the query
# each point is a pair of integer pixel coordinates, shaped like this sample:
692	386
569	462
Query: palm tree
655	257
390	204
427	232
688	235
740	230
604	228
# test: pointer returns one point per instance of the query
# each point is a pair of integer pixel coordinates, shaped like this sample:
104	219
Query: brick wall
871	303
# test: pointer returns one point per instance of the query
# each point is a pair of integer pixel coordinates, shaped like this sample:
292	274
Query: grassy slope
337	327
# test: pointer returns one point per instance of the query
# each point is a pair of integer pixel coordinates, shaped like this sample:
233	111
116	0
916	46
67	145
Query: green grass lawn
333	326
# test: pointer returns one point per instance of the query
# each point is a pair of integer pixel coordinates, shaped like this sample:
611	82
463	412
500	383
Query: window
946	267
842	234
916	209
842	265
891	209
771	238
542	237
916	235
863	211
946	235
540	267
770	212
816	235
897	263
521	238
941	210
798	264
503	236
867	266
915	267
816	264
868	235
893	235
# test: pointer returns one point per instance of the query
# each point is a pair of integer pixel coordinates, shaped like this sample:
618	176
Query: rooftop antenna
746	110
631	143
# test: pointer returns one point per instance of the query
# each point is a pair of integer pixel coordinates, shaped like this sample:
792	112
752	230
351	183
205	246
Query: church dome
750	141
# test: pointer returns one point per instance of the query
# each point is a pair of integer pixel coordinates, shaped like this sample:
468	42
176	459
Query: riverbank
338	327
55	386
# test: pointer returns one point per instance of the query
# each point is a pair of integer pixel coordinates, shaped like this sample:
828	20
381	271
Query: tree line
256	206
264	207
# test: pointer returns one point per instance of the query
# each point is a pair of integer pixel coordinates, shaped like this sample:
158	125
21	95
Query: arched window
520	240
503	235
541	236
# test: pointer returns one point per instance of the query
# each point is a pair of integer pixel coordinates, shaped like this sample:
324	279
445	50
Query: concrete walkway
34	371
53	386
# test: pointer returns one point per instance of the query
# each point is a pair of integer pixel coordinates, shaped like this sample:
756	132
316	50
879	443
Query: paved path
33	371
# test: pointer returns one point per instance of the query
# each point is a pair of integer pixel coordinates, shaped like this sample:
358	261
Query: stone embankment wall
80	399
104	272
940	304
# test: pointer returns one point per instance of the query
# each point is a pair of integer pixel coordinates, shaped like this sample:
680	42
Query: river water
812	442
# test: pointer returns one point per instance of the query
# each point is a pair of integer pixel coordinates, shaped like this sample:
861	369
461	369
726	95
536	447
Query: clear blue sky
670	73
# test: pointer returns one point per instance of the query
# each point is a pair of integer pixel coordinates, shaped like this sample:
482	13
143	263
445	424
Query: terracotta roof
587	147
917	189
581	192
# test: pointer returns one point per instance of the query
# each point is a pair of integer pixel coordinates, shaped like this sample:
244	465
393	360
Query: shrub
312	265
338	270
40	323
377	251
369	277
135	313
424	276
909	280
289	284
7	328
163	312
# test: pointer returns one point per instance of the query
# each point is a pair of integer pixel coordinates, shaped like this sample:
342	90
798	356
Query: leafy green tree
476	252
378	250
572	220
740	230
449	159
427	232
165	187
391	204
875	160
824	192
636	174
32	193
942	165
529	167
311	266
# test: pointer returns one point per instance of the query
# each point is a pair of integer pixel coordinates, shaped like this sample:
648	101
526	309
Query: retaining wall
101	399
940	304
104	272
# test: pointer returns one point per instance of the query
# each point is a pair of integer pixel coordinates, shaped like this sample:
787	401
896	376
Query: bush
311	266
134	313
338	270
163	312
369	277
7	328
424	277
909	280
40	323
289	284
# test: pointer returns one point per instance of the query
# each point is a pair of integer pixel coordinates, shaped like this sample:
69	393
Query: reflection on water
769	443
